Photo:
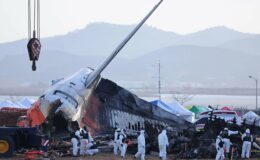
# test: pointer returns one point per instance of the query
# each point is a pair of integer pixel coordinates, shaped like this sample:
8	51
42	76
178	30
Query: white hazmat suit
227	142
85	142
123	147
219	146
74	141
141	146
247	140
163	143
117	142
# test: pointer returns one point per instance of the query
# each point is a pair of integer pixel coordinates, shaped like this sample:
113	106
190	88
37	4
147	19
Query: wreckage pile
202	144
115	107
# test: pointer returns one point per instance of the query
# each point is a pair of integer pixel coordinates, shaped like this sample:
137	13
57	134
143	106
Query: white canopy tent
182	111
176	109
25	103
250	117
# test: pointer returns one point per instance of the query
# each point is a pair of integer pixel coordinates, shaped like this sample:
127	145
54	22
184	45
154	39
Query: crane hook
34	44
33	66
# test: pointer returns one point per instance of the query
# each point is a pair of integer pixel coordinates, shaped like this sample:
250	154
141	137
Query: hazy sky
181	16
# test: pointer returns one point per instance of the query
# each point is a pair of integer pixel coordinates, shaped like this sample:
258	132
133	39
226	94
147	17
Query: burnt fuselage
112	106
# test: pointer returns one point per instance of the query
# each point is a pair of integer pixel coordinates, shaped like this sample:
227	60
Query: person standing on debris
75	138
123	140
219	146
163	143
247	140
225	135
141	146
117	142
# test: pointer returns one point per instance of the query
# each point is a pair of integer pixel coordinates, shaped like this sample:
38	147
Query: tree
182	98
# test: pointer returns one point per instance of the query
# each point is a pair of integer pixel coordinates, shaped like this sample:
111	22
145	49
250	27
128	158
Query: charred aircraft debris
119	108
71	96
100	104
111	107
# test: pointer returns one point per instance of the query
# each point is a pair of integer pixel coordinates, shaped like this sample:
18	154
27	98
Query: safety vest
225	134
72	135
124	137
84	134
221	143
247	137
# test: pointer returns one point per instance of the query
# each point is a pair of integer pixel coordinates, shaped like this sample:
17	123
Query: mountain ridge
102	38
216	57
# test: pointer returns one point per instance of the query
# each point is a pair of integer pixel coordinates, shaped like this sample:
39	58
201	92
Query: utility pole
256	94
159	80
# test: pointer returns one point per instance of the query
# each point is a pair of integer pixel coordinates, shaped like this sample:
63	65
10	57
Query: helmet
247	130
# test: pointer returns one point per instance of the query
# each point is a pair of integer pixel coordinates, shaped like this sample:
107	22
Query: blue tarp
175	108
164	106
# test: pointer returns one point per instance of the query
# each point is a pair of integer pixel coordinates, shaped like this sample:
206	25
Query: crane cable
34	45
36	18
29	19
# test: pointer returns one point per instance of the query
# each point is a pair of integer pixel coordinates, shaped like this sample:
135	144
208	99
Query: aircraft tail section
95	74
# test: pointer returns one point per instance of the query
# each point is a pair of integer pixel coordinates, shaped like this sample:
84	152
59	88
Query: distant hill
199	66
248	45
194	66
102	38
215	57
213	36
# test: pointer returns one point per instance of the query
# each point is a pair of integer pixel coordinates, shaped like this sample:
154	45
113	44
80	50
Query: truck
15	138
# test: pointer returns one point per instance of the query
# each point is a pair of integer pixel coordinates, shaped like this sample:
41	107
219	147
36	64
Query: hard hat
247	130
226	129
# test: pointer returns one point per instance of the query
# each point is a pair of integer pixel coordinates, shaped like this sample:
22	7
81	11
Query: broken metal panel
112	106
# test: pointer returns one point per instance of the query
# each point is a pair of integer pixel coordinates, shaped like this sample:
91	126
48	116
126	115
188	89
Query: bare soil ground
110	156
99	156
103	156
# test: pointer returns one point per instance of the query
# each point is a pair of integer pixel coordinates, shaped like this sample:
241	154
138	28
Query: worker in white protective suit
163	143
226	138
85	142
117	141
247	141
123	146
219	146
141	146
75	139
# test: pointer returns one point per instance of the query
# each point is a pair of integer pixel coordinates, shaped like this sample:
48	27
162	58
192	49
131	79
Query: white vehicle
228	116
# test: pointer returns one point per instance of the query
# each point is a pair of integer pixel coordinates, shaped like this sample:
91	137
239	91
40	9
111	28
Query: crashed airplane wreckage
75	99
113	106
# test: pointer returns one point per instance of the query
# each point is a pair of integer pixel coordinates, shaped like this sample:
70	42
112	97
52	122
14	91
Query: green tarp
197	109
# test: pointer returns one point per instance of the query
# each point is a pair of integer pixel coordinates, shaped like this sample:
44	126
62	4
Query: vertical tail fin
95	74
